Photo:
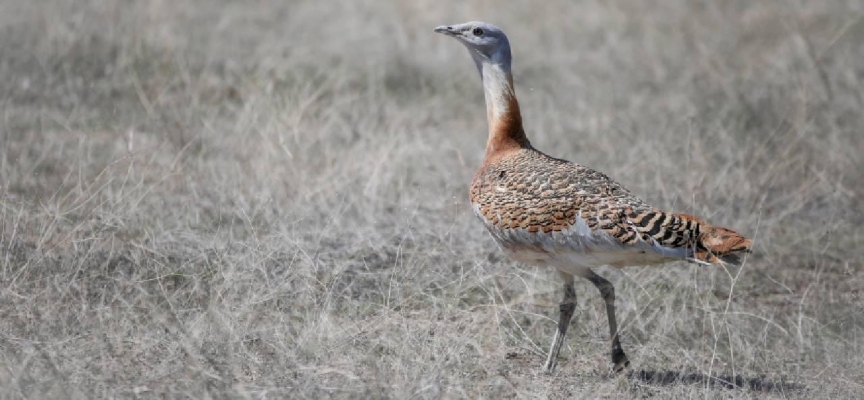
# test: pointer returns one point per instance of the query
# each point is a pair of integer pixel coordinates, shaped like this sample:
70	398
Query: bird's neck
502	108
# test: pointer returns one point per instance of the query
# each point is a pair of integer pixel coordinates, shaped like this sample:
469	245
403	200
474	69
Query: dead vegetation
268	199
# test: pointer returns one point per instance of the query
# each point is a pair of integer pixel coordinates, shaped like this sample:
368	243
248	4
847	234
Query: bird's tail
689	236
716	245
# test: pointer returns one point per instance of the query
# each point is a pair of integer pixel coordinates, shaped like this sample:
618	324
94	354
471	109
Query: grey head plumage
486	42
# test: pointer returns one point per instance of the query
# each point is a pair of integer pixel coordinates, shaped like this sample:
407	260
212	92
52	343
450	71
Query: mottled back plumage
526	196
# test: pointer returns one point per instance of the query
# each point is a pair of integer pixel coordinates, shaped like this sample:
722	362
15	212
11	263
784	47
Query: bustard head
486	42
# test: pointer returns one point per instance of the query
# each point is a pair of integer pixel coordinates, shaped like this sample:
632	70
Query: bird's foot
620	362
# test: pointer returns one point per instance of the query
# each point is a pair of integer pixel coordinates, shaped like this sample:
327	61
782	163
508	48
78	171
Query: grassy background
265	199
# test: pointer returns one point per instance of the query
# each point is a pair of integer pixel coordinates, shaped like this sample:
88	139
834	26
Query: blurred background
269	198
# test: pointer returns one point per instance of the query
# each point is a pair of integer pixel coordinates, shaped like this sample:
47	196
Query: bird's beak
446	30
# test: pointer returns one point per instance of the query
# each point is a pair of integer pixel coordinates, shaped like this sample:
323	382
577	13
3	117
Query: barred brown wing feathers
709	243
532	192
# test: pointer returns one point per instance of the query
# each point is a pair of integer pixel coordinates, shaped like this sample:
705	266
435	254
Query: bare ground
216	199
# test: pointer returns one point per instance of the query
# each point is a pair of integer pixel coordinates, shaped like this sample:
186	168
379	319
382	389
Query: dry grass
216	199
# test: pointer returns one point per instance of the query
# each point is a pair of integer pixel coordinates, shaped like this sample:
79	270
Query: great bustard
550	212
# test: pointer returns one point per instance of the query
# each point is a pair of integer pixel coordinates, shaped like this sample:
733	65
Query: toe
621	365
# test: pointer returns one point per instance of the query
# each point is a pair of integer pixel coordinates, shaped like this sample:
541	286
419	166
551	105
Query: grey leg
619	359
568	305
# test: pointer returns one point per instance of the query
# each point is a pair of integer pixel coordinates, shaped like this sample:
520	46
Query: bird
549	212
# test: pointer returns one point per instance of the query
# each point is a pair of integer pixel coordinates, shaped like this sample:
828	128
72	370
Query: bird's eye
477	32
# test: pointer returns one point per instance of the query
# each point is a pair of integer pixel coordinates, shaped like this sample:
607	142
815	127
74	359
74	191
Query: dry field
268	199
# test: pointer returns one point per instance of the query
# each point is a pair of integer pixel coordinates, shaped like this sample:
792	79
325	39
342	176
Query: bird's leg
608	292
567	306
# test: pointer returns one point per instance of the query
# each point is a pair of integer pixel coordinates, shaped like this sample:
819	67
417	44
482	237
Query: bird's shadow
668	378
